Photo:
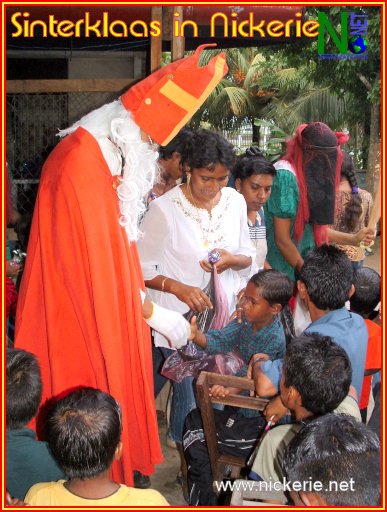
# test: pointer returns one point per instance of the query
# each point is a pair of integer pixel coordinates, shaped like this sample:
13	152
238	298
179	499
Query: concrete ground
164	479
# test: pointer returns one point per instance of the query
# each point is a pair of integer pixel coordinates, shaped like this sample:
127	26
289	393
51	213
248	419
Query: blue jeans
183	401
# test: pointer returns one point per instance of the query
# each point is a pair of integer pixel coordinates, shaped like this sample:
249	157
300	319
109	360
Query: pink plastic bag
191	361
217	317
221	315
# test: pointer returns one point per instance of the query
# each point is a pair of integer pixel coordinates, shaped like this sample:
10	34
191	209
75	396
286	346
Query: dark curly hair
207	149
353	208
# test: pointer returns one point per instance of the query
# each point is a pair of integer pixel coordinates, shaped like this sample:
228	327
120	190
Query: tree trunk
373	165
256	134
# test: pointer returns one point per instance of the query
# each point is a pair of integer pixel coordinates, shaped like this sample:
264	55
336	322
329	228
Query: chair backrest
205	381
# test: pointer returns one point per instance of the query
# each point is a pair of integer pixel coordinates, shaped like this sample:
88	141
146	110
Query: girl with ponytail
354	207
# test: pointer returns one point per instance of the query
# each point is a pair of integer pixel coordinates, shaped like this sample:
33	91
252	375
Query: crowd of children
319	382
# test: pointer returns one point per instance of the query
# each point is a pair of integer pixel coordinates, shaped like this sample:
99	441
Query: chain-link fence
33	121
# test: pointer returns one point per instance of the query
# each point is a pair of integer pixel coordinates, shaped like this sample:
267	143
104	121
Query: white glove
142	295
170	324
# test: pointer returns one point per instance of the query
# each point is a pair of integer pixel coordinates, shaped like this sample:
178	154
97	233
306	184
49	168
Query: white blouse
177	235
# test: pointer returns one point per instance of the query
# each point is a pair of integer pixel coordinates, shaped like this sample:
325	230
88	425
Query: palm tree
295	99
237	98
260	85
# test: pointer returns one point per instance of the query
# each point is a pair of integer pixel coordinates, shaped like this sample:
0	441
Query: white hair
120	141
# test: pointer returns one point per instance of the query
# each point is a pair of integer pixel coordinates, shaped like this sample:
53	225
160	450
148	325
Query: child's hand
194	328
15	502
365	236
238	313
13	269
275	408
218	391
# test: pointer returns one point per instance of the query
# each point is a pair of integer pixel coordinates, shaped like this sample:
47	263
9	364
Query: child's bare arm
275	410
263	385
197	335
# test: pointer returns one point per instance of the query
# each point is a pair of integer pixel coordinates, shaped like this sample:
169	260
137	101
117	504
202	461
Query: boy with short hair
84	434
334	450
28	461
267	292
325	284
316	380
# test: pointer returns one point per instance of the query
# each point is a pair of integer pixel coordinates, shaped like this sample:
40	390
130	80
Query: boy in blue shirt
325	284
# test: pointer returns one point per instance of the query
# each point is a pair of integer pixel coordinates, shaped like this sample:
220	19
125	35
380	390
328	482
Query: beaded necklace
205	237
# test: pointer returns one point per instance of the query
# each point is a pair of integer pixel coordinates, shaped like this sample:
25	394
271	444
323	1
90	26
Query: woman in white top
179	230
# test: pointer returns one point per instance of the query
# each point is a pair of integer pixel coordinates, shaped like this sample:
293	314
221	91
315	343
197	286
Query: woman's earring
188	179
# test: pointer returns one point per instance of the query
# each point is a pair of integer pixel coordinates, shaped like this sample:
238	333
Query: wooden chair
205	381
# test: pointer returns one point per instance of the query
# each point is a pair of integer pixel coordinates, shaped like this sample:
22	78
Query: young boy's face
256	309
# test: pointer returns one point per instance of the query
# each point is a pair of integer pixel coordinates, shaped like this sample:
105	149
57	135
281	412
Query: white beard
120	141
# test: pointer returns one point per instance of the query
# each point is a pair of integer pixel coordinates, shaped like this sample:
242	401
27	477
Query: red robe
79	307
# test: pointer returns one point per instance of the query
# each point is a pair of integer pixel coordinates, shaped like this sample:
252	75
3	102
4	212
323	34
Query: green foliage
341	91
290	85
235	99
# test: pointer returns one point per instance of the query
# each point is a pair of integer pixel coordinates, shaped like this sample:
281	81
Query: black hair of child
274	286
319	370
337	448
367	292
176	145
83	432
24	388
328	277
